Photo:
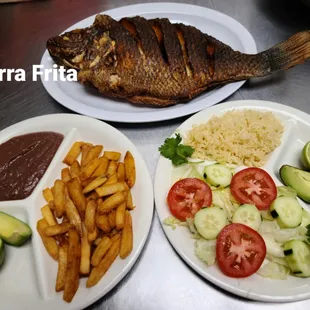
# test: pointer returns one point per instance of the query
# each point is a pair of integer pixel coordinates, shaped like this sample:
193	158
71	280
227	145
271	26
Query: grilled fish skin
160	63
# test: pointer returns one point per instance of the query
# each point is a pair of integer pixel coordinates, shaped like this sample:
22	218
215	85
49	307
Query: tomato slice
187	196
254	186
240	250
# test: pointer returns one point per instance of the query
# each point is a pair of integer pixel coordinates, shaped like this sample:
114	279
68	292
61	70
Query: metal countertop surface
160	279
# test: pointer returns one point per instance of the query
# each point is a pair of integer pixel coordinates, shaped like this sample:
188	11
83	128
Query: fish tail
235	66
289	53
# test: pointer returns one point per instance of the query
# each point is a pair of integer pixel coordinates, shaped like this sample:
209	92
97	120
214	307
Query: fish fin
232	66
289	53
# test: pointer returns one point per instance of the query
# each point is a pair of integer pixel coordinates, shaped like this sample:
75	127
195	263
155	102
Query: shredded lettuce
274	271
206	250
266	215
192	228
285	191
305	220
274	248
172	221
278	260
223	198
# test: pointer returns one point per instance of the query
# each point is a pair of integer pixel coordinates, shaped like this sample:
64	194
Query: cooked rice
240	137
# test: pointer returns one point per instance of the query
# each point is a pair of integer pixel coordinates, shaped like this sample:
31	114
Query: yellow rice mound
240	137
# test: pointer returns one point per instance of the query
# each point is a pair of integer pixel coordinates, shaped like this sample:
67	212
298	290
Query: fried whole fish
160	63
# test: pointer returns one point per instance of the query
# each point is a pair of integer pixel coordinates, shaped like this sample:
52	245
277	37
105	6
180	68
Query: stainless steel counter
160	279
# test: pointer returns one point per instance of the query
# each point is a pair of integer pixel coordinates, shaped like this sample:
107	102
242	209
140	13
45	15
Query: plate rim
255	103
147	182
158	114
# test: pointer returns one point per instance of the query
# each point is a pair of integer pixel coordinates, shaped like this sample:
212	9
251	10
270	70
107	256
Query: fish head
82	48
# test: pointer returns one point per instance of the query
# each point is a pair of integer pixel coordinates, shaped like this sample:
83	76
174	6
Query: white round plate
78	98
297	132
28	275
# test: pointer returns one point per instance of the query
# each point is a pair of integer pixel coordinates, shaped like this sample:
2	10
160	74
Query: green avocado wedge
297	179
2	253
12	230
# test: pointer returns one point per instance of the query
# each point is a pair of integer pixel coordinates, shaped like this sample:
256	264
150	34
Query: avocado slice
2	253
12	230
296	179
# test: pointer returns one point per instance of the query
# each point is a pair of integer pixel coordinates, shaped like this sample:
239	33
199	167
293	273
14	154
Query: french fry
121	172
94	184
85	253
47	194
102	168
65	218
120	215
93	235
98	272
73	153
115	237
112	218
112	179
127	237
102	222
89	169
101	249
130	169
75	169
48	215
112	168
112	155
57	229
65	174
93	153
51	205
74	216
73	266
91	200
49	243
97	241
62	267
106	190
130	205
86	182
76	194
59	197
111	202
92	196
85	149
90	215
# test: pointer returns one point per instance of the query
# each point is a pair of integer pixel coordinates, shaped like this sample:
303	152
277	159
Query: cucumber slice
297	254
12	230
287	211
217	175
248	215
2	253
210	221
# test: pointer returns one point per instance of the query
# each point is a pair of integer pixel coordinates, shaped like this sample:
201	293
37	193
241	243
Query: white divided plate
28	275
296	134
78	98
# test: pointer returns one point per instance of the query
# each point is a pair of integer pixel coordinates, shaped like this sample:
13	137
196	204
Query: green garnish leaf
176	152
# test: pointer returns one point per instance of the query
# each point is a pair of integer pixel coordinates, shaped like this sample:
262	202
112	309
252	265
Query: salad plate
76	97
28	274
296	125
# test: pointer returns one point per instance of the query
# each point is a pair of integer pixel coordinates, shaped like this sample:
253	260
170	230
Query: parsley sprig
175	151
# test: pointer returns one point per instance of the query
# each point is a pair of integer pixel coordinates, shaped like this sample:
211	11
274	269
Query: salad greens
175	151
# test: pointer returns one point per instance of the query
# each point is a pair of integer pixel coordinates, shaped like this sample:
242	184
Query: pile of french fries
86	221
